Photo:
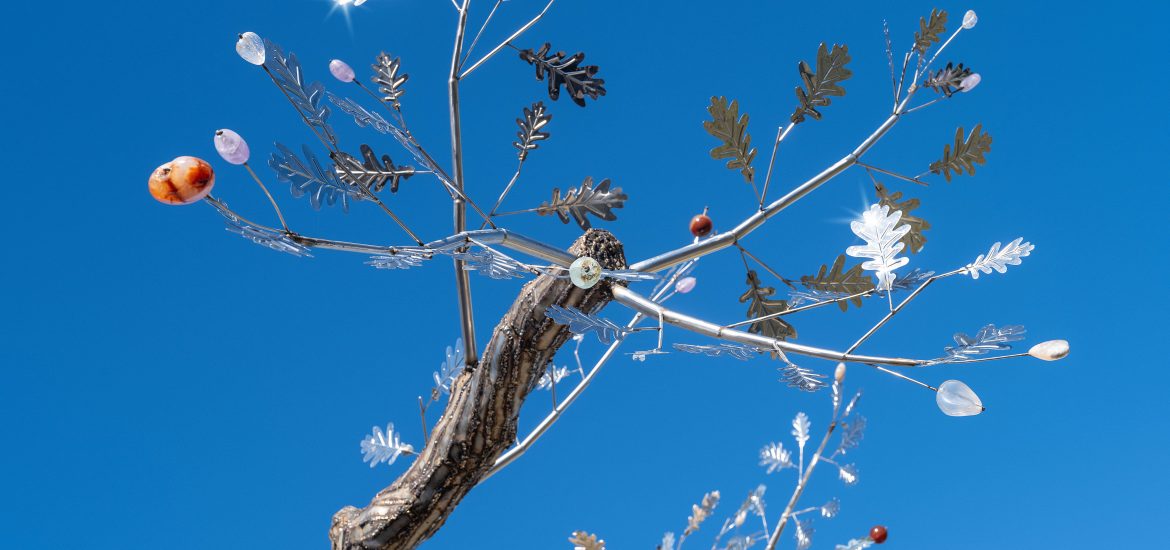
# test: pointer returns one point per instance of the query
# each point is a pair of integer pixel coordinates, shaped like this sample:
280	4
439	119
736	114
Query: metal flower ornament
565	289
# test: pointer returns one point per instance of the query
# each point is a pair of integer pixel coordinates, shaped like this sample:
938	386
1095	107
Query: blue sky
167	384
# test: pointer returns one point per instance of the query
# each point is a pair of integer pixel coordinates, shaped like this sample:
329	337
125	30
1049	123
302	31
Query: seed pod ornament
185	180
701	225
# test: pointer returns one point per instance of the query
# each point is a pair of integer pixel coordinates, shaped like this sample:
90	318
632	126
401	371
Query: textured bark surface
479	422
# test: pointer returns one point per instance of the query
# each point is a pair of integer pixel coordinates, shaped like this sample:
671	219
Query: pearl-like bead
585	272
878	534
970	19
969	82
251	48
341	70
955	398
231	146
1052	350
685	285
839	372
701	225
184	180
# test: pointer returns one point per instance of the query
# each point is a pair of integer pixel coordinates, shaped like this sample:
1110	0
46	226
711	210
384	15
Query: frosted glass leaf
882	234
999	258
956	399
831	508
491	263
361	116
250	48
309	177
801	378
800	426
989	338
582	323
449	369
803	534
856	544
667	541
402	258
552	375
851	434
379	447
738	351
776	457
847	473
276	240
287	73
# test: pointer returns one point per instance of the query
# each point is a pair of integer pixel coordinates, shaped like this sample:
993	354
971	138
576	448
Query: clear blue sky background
166	384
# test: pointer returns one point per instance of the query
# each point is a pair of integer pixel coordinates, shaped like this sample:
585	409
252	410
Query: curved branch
479	422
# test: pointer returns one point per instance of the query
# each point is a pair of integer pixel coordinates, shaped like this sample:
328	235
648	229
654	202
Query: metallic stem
269	195
645	306
895	310
781	133
889	173
475	40
508	41
812	464
861	294
462	278
720	242
504	194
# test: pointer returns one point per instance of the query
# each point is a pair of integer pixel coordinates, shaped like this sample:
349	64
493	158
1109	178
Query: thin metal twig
462	278
508	41
475	40
781	133
269	195
893	174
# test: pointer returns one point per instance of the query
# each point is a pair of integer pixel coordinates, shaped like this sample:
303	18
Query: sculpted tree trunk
479	422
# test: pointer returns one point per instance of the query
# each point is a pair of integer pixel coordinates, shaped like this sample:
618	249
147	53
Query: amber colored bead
701	225
878	534
184	180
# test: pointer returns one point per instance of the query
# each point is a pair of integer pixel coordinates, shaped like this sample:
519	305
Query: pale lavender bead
970	81
251	48
341	70
231	146
685	285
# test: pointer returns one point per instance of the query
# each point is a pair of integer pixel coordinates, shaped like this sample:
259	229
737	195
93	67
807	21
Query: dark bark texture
479	422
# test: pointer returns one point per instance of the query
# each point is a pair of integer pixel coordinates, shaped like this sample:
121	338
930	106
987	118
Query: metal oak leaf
948	80
370	172
930	31
760	305
914	239
965	154
286	71
586	541
535	118
840	281
580	322
998	259
388	80
323	186
599	201
822	84
578	80
729	127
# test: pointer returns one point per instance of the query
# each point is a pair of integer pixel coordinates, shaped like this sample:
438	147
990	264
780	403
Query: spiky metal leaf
402	258
449	369
738	351
309	177
848	473
948	80
840	281
370	172
800	378
914	239
999	258
965	154
700	512
930	31
989	338
822	84
882	231
760	305
535	118
379	447
276	240
803	534
851	434
388	80
361	116
729	127
580	322
831	508
586	541
576	203
286	72
579	81
856	544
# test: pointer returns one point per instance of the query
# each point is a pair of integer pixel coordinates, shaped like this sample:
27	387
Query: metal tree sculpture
486	386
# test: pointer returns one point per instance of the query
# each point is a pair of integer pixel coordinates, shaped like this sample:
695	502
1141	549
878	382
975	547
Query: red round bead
878	534
701	225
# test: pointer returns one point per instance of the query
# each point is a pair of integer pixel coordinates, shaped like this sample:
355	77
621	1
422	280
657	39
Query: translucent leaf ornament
848	473
379	446
882	232
803	534
998	259
955	398
775	457
738	351
580	322
831	508
449	369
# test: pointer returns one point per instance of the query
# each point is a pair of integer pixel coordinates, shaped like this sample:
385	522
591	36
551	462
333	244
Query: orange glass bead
185	180
878	534
701	225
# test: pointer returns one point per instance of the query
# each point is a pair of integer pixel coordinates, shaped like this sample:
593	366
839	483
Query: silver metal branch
462	278
508	40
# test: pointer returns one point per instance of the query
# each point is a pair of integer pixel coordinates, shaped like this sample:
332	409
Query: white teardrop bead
954	398
251	48
585	272
970	19
1052	350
